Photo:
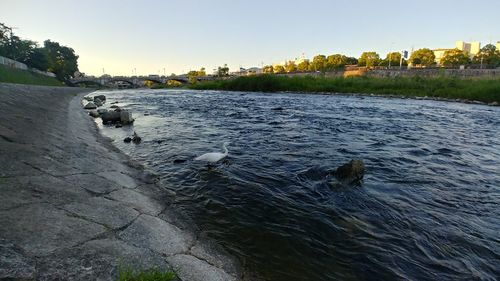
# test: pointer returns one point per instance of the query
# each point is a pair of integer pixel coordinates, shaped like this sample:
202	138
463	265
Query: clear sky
120	35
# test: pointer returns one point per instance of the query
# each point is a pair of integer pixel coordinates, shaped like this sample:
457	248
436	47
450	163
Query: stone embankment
73	208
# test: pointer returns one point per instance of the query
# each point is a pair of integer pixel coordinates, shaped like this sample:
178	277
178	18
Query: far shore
478	91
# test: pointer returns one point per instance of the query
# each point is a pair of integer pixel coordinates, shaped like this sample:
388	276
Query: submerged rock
90	105
351	172
136	139
278	108
127	139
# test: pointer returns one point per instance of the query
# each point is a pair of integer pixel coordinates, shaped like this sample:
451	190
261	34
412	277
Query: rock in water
98	102
101	111
127	139
351	172
94	113
136	139
101	97
90	105
110	117
88	98
126	117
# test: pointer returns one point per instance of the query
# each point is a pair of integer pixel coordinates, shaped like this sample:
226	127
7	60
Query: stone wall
19	65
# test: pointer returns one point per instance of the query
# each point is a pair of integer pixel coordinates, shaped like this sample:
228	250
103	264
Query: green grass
486	90
154	274
18	76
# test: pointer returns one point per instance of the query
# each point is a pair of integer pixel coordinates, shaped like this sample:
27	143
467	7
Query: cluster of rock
114	115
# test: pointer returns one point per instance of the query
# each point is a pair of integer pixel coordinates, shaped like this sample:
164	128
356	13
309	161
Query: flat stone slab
157	235
18	191
41	228
120	179
193	269
97	260
93	183
14	264
214	254
136	200
100	210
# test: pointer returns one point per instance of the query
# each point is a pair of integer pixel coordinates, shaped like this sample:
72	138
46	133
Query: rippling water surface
429	207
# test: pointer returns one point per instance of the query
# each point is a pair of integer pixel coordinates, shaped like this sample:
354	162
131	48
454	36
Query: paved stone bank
73	208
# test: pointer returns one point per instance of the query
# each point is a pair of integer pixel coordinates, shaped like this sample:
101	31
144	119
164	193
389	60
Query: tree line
52	56
487	56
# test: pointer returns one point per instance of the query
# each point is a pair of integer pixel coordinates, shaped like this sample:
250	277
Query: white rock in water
126	117
90	105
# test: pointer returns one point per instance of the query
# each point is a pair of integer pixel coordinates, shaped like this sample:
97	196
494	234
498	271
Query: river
428	208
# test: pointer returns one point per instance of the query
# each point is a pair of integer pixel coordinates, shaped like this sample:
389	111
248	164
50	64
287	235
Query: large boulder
351	173
90	105
87	98
98	102
126	117
101	97
110	117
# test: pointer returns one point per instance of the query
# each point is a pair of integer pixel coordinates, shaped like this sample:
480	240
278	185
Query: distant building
471	49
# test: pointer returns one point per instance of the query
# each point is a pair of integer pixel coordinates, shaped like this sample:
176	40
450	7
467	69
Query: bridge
133	81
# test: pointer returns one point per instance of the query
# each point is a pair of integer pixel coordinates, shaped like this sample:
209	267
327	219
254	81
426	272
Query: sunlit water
429	207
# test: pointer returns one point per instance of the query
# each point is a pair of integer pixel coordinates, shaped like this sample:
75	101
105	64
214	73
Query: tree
488	55
38	59
454	57
393	57
13	47
351	60
336	61
193	75
290	66
319	63
63	61
422	57
223	71
278	69
303	66
369	59
267	69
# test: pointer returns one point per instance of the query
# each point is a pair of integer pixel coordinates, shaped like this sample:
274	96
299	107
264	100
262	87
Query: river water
428	209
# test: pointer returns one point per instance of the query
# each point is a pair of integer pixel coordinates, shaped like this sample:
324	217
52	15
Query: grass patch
18	76
486	90
154	274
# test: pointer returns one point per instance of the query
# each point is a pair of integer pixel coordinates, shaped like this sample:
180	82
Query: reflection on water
428	208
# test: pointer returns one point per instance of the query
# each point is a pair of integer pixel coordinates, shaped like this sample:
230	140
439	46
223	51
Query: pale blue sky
182	35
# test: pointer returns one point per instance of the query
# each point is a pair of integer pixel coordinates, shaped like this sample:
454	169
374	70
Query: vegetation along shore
483	90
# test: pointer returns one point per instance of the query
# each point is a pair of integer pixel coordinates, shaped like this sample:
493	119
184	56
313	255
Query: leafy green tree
393	57
38	59
267	69
63	61
336	61
278	69
351	61
223	71
488	55
422	57
303	66
369	59
455	57
290	66
319	63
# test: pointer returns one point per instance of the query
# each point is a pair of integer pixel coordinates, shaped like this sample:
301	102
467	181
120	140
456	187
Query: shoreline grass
484	90
19	76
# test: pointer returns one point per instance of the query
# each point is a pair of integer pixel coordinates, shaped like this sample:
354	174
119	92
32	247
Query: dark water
429	207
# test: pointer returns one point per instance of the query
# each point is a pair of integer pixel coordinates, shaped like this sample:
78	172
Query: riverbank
479	90
73	207
19	76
